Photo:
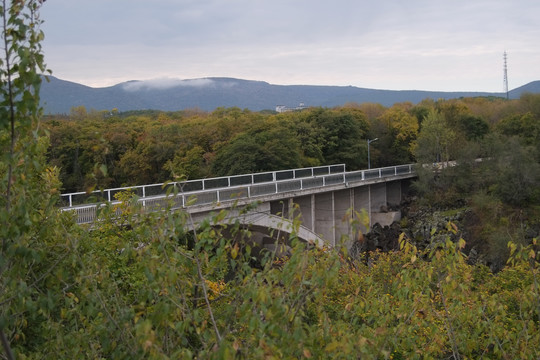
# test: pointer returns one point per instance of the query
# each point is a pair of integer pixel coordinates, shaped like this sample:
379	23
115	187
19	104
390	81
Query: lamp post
368	159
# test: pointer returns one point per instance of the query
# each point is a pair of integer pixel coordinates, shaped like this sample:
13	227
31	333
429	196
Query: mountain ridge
59	96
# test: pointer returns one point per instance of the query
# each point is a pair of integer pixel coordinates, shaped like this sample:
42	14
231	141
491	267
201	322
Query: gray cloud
422	44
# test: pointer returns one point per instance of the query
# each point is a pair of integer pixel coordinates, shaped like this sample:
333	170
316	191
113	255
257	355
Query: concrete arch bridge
320	197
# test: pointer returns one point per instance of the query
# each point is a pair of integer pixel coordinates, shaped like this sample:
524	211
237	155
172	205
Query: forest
143	286
143	147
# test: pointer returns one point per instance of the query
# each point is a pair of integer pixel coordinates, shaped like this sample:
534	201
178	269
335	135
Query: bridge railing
80	198
280	182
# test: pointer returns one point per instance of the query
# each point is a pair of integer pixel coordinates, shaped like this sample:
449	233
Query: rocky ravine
426	228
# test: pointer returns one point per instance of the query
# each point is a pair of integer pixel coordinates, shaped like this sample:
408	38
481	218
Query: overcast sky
383	44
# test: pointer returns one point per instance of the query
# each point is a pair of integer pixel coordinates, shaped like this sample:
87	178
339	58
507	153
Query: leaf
221	216
401	242
512	247
191	200
234	251
332	346
103	169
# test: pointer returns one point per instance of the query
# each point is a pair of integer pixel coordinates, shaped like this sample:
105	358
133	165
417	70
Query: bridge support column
305	205
280	208
324	216
378	196
362	201
343	201
393	193
405	187
290	205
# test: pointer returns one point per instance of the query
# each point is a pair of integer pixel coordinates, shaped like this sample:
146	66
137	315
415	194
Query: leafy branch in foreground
27	187
316	303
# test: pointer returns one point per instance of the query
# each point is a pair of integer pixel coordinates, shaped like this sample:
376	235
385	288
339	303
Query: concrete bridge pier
328	213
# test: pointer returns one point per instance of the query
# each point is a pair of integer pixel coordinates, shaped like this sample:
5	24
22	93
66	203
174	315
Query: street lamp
368	159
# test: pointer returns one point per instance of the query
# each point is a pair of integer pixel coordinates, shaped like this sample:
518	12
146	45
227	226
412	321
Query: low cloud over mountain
166	83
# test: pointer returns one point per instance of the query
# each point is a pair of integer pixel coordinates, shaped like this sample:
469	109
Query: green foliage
263	148
435	139
396	129
473	127
497	174
187	164
526	126
30	227
339	134
151	147
518	177
150	296
510	169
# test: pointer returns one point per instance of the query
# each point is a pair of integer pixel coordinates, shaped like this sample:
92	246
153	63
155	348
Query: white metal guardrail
80	198
230	188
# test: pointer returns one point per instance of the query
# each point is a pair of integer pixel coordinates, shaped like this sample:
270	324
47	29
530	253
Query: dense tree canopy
145	147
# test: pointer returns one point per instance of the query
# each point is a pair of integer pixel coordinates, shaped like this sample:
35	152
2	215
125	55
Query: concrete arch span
266	223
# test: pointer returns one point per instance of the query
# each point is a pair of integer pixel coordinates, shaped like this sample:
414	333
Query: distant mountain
59	96
532	87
